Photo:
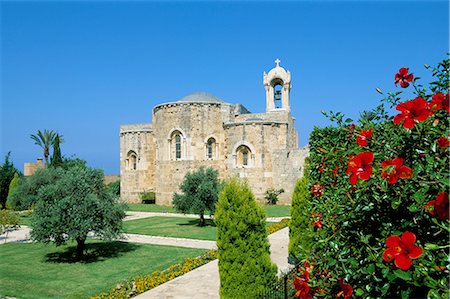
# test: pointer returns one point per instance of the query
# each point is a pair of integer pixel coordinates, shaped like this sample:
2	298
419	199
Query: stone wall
137	139
30	168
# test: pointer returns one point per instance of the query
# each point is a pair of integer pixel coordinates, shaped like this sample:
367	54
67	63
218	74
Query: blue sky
84	68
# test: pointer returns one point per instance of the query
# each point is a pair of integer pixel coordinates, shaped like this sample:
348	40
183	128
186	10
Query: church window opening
131	162
277	91
210	148
243	155
177	146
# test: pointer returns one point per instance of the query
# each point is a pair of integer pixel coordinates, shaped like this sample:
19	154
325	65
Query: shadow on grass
94	252
196	222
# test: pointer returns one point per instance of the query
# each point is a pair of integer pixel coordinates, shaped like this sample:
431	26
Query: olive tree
75	204
200	192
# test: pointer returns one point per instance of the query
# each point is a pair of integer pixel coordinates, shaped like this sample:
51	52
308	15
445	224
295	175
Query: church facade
203	130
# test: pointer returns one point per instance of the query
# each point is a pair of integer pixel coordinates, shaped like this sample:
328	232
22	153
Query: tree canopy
200	192
73	205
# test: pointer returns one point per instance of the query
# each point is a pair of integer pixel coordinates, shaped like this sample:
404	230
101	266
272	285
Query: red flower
439	207
335	170
317	219
317	190
302	288
403	77
359	167
402	250
347	289
394	169
412	111
439	101
443	142
364	135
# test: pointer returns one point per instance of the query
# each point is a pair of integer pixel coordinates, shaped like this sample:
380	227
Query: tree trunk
80	247
202	220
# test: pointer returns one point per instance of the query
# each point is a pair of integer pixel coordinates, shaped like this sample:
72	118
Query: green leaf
359	292
396	203
405	275
349	120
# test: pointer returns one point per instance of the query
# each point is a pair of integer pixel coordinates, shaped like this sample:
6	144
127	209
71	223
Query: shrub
8	220
140	284
272	196
277	226
7	172
245	267
148	197
25	194
299	236
379	211
114	188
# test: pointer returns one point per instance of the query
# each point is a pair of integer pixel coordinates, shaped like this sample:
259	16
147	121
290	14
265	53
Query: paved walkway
203	282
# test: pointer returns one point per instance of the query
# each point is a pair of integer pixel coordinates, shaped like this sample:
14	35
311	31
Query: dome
203	97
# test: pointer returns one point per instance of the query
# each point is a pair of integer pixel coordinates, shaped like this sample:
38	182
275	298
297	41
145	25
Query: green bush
8	219
25	194
148	197
380	221
7	172
245	267
299	236
114	188
272	196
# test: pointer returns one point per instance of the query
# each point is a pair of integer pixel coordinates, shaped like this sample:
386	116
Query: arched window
243	156
211	148
277	91
176	145
131	162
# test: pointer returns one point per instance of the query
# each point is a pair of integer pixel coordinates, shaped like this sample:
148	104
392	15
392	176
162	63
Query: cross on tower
277	61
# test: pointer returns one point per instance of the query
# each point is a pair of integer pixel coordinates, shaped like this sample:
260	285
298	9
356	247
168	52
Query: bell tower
277	84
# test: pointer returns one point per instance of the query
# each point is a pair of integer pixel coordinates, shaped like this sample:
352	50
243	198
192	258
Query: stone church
201	129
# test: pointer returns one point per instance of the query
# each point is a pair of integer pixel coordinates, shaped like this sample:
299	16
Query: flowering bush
380	227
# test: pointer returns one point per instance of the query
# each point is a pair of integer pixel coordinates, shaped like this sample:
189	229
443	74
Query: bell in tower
278	86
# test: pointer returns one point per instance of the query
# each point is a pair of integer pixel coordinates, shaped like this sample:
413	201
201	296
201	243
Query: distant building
30	168
201	129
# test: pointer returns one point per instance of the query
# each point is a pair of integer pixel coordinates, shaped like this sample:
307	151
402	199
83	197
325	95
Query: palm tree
44	140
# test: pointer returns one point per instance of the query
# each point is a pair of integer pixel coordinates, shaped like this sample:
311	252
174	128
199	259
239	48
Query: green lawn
271	211
45	271
277	211
172	227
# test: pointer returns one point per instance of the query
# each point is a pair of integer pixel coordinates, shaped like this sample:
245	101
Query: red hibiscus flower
317	219
317	190
364	135
402	250
359	167
403	77
394	169
439	207
347	289
439	101
412	111
443	142
302	288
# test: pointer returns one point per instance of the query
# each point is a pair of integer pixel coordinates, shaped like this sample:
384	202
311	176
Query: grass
277	211
29	270
271	210
172	227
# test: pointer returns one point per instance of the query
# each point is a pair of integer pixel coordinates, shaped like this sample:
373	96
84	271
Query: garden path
203	282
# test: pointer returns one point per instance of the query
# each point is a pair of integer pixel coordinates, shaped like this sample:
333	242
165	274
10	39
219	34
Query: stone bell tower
278	86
